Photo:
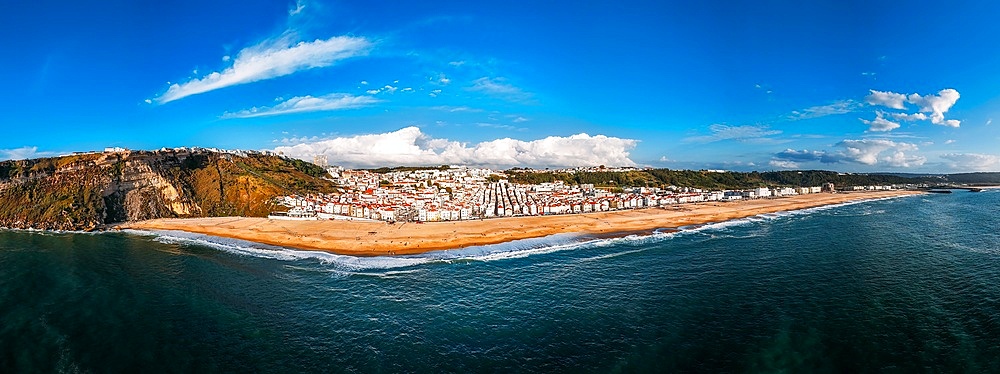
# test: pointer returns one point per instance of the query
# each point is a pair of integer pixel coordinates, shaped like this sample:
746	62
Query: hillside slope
712	180
87	191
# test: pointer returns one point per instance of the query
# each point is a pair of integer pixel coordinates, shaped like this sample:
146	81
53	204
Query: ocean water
897	285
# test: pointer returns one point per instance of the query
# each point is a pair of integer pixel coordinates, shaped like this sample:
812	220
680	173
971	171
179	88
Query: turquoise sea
900	285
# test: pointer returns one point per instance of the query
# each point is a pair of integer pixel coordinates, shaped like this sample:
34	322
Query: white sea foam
52	232
343	264
493	252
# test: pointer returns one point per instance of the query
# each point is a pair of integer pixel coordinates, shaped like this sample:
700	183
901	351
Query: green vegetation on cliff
82	192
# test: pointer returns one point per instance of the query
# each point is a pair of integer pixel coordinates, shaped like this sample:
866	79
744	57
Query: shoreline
381	238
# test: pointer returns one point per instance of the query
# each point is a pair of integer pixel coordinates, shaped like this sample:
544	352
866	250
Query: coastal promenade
380	238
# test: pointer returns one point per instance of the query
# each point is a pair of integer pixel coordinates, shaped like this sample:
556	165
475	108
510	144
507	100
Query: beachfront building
460	193
785	191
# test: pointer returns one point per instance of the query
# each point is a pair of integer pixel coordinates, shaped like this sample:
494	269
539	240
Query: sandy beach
380	238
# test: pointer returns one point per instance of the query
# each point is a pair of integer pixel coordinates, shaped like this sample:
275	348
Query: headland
359	238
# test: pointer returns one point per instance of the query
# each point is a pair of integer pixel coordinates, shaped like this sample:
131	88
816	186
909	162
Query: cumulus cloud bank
935	105
271	59
410	146
303	104
881	152
972	161
866	151
784	164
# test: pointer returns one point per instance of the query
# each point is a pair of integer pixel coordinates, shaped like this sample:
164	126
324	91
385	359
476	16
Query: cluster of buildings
181	150
461	193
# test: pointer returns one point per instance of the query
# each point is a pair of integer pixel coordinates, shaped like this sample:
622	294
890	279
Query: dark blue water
908	284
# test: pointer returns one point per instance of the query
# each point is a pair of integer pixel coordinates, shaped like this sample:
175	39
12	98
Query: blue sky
849	86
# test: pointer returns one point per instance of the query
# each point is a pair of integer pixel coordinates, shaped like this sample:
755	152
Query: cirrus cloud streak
303	104
271	59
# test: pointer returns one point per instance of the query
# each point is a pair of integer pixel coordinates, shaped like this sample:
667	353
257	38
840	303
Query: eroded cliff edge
90	191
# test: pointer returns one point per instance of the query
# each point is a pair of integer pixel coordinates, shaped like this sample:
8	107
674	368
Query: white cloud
23	153
949	141
664	159
910	117
887	99
866	151
520	119
805	156
937	105
455	109
880	123
751	134
784	164
271	59
364	83
299	7
410	146
500	88
303	104
972	161
988	122
880	152
839	107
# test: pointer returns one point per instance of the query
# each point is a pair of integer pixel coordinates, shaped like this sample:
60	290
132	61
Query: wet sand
380	238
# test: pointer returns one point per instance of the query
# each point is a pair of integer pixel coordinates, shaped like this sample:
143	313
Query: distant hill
974	178
913	175
87	191
713	179
958	178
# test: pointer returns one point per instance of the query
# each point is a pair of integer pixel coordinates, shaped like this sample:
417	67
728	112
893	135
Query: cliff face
85	192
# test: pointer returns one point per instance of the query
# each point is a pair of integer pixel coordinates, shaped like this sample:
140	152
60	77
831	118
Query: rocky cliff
89	191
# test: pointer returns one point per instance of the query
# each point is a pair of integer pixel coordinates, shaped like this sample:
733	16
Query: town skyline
734	86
